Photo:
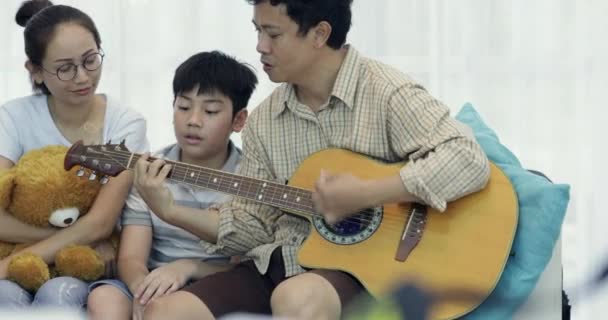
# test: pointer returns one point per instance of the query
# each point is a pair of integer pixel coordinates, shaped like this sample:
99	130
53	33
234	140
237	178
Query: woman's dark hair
40	19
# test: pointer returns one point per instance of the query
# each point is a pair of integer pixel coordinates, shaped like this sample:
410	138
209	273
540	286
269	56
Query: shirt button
294	240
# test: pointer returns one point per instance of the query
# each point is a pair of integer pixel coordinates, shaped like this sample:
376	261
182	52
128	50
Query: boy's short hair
216	72
308	13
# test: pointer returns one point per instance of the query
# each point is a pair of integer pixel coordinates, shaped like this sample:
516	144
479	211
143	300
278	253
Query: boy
211	92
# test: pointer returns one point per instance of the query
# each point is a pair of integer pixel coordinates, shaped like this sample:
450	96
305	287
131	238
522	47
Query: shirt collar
344	88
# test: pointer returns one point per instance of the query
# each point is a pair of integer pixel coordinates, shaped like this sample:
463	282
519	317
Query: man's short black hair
308	13
216	72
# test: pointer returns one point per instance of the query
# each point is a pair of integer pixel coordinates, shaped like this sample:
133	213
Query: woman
65	60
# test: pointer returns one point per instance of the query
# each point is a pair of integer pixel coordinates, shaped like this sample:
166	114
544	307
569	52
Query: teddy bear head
40	192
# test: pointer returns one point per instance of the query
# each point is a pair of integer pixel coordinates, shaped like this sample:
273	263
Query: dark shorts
244	289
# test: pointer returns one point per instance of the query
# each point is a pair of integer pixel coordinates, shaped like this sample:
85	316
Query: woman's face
73	54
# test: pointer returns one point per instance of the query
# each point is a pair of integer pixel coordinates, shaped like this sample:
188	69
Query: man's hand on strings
339	196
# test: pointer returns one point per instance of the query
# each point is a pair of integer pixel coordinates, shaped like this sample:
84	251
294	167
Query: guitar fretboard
270	193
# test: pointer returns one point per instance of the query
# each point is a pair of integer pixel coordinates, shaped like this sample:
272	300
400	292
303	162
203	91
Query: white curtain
535	69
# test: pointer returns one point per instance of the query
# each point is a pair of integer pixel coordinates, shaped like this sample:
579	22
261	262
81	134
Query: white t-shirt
26	124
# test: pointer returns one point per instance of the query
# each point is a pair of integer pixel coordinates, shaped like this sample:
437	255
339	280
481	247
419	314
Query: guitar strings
304	207
356	219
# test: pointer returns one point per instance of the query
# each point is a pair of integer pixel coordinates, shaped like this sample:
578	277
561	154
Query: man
330	97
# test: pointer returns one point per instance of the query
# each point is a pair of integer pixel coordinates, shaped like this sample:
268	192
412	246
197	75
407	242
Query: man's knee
290	295
62	291
305	295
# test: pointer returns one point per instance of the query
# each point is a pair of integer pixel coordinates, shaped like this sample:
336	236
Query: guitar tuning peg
104	180
80	172
92	176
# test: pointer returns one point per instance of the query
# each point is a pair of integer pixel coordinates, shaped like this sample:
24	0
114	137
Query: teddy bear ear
7	183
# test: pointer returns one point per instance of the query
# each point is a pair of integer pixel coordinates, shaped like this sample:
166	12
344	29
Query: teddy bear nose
68	221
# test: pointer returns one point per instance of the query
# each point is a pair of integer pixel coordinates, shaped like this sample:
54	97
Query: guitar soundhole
350	226
352	230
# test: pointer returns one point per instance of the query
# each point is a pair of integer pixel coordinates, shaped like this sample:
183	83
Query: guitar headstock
108	159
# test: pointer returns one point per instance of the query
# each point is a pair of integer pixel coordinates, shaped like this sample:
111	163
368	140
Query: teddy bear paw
80	262
29	271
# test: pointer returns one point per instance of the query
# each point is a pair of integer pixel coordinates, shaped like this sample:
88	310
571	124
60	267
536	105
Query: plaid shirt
375	110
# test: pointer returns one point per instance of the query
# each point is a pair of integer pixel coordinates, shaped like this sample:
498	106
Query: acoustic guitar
465	247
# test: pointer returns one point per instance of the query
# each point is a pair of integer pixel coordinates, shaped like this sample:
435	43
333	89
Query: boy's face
203	124
285	54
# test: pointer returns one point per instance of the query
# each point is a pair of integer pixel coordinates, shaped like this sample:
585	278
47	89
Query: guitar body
464	248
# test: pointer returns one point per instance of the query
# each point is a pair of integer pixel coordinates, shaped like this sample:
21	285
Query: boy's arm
204	223
135	241
150	179
135	244
236	226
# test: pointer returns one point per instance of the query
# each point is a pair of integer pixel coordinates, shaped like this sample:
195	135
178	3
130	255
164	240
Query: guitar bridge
412	233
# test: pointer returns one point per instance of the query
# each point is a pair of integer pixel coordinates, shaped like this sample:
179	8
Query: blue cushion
542	206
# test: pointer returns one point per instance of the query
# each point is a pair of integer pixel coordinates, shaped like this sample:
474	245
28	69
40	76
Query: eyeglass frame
101	54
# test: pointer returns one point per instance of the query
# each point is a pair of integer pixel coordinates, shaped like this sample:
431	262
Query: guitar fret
269	193
251	187
197	176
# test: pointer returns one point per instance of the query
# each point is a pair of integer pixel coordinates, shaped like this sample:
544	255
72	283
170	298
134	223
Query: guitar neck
294	200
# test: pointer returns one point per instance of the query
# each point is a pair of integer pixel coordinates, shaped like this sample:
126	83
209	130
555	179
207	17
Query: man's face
285	54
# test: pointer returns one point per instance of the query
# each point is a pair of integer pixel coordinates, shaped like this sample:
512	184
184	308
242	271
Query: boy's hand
150	183
138	310
164	280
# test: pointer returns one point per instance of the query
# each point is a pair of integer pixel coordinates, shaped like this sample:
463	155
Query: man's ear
239	120
35	72
321	33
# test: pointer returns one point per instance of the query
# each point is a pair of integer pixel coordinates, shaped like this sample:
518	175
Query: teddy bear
40	192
